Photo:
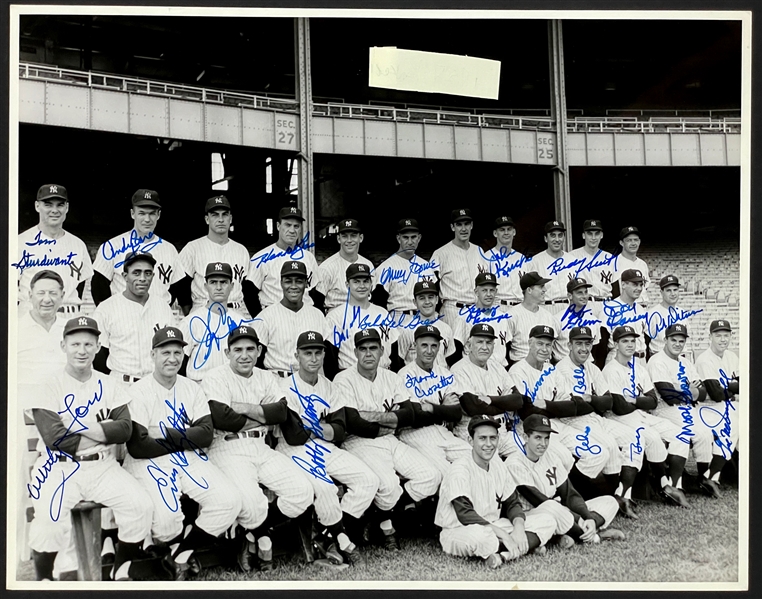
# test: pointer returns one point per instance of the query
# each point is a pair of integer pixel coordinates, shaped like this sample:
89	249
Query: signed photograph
333	299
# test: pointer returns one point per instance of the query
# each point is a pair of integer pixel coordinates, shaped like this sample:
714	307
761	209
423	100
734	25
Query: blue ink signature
557	266
687	430
210	339
516	436
574	318
129	246
311	415
532	393
389	275
636	447
476	315
632	390
315	453
503	268
295	253
721	438
29	261
39	241
616	312
580	386
584	439
655	322
439	382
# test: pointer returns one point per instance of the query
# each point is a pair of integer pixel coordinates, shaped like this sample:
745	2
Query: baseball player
279	324
666	313
205	327
141	239
398	274
507	264
627	310
627	259
426	298
377	403
243	401
595	264
550	263
331	280
542	473
171	427
81	417
479	508
357	314
128	321
309	437
265	268
430	388
634	397
681	390
581	312
47	246
215	246
459	261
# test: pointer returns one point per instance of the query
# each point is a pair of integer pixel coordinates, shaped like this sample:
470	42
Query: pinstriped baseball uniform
597	269
435	442
623	263
709	365
202	251
168	269
386	455
498	320
571	315
406	341
191	470
313	402
344	321
661	317
457	270
205	330
618	313
250	461
522	321
278	328
550	268
264	272
632	381
508	268
332	279
67	256
127	328
398	276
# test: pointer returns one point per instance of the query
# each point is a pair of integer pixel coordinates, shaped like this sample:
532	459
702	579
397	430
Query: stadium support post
304	95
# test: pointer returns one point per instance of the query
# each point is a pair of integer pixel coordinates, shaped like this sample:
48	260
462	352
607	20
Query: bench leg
87	539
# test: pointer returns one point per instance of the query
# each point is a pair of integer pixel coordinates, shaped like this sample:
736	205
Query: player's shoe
352	555
676	496
328	550
541	550
625	507
176	571
710	487
246	555
494	561
390	543
611	534
565	542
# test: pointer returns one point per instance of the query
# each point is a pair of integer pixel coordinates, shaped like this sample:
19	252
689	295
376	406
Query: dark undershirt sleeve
199	434
466	513
647	401
357	425
511	508
54	433
100	287
119	429
380	296
620	406
225	418
601	403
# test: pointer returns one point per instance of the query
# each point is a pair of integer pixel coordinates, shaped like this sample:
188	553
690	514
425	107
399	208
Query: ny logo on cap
147	195
592	222
430	329
170	333
310	336
462	212
361	267
407	222
555	222
485	327
630	228
638	274
679	327
365	333
243	330
425	285
584	330
53	189
347	223
546	329
83	322
488	277
293	210
294	266
629	329
721	323
503	218
218	200
545	421
218	266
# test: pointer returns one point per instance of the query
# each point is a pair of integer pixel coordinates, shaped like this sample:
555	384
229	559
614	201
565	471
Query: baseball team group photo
515	356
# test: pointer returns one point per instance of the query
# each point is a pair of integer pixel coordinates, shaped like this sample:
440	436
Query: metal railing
654	124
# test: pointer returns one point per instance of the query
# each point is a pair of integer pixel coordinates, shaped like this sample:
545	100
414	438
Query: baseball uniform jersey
712	366
622	263
523	320
278	328
660	318
597	269
264	272
398	276
37	346
202	251
332	279
508	267
617	314
344	321
457	270
470	315
406	339
552	268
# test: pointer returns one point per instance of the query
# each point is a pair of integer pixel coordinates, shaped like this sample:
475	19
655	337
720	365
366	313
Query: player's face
536	292
350	241
485	295
540	348
580	350
670	294
426	350
47	297
592	238
631	289
218	288
219	220
290	231
138	278
462	229
484	442
426	303
144	219
674	345
720	340
626	346
167	359
630	244
243	355
359	288
480	349
580	296
80	348
504	235
555	241
368	354
536	444
52	212
310	359
408	242
293	287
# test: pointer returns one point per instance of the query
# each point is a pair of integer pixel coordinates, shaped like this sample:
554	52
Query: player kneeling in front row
479	508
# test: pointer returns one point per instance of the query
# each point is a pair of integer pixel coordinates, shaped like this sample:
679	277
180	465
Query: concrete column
304	95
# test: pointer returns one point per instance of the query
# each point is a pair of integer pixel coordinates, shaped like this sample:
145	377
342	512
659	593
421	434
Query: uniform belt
130	379
83	458
244	435
597	298
639	354
462	305
282	373
69	309
234	305
556	301
510	302
409	312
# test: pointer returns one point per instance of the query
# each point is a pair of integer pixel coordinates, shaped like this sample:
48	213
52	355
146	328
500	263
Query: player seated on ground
682	393
542	474
479	508
310	435
634	398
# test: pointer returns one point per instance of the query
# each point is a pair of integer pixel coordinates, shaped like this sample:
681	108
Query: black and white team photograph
454	299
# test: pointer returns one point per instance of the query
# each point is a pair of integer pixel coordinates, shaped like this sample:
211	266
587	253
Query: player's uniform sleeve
188	259
87	265
256	271
178	270
138	407
262	326
325	280
102	317
660	371
598	381
101	265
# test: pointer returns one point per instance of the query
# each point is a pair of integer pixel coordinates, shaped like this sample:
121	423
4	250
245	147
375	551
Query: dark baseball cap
485	278
676	329
349	224
407	224
293	269
542	331
504	221
632	275
167	335
719	325
138	257
81	323
537	423
531	279
460	214
358	270
309	339
50	191
627	231
427	331
576	284
422	287
592	225
581	333
366	335
554	225
218	269
242	332
625	331
481	420
217	202
668	280
290	212
482	330
146	197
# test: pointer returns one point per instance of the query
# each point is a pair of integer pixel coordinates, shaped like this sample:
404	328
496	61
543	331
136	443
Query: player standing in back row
593	263
507	264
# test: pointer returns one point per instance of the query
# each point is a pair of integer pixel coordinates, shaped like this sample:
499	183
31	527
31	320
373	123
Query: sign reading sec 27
286	131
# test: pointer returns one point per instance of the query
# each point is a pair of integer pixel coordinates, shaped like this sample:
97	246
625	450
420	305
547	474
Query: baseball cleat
565	542
611	534
329	550
246	556
494	561
625	507
352	556
265	556
542	550
676	496
390	543
710	487
176	571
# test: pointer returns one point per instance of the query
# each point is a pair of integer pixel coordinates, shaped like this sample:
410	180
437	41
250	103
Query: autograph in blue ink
311	422
438	382
575	318
619	314
134	244
419	269
476	315
295	253
532	393
580	386
656	322
636	447
209	340
558	266
584	439
632	390
503	267
38	240
28	260
721	435
516	437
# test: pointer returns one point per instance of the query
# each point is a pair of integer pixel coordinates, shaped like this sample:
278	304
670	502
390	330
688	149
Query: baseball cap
485	278
542	331
309	339
676	329
632	275
554	225
460	214
580	333
219	268
294	268
242	332
137	257
427	331
625	331
531	279
504	221
81	323
576	284
167	335
357	270
146	197
424	287
592	225
482	330
407	224
217	202
349	224
537	423
628	231
290	212
51	190
366	335
481	420
668	280
719	325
